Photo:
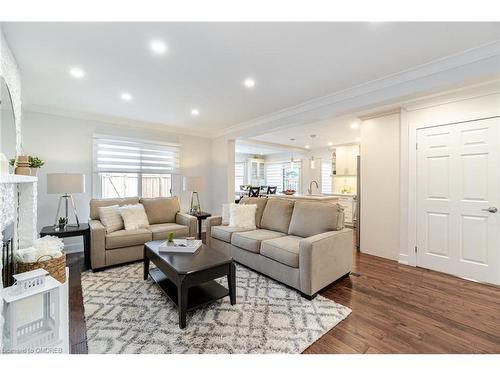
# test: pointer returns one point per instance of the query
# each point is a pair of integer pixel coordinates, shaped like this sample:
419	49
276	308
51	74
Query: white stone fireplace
18	206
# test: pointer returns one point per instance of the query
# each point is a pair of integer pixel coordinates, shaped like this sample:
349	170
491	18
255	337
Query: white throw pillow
111	218
226	213
242	215
134	217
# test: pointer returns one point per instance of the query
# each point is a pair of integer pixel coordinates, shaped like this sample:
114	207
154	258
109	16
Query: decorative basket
56	267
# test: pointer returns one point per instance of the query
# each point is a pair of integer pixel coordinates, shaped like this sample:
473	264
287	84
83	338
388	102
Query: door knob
491	209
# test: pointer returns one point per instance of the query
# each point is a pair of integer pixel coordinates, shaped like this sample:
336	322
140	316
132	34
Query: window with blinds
239	175
281	175
128	167
326	176
274	175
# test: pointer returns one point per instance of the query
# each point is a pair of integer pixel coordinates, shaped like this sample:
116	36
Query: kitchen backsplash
344	185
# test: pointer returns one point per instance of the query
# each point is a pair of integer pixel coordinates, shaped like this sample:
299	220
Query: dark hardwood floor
395	309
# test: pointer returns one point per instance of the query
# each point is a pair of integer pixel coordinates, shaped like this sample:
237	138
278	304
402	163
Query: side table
201	216
72	231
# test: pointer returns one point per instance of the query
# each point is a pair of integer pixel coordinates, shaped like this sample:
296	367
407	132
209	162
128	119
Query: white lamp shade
60	183
194	184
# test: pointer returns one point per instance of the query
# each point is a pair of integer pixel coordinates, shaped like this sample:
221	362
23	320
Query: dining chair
254	191
272	189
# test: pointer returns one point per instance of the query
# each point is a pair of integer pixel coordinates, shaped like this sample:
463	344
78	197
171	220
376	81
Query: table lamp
194	185
65	184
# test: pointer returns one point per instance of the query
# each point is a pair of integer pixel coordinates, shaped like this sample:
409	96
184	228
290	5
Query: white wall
380	186
65	144
222	171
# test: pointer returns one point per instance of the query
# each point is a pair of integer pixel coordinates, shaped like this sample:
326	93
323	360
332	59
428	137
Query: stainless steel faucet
309	191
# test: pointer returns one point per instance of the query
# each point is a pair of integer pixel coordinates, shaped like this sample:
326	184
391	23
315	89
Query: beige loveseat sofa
301	244
123	246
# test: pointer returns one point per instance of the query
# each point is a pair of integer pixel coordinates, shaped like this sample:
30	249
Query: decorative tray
179	247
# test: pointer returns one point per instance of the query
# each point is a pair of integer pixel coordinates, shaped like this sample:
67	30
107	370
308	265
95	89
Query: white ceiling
337	131
207	62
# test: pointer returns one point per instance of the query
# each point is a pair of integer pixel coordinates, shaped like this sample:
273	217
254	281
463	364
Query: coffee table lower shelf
198	295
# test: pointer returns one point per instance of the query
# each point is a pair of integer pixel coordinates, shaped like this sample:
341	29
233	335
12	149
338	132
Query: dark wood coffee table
188	280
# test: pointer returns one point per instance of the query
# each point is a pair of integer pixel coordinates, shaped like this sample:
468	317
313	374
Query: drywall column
231	144
380	186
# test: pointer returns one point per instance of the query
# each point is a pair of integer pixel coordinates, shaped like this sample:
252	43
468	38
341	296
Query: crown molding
382	113
384	87
474	91
77	115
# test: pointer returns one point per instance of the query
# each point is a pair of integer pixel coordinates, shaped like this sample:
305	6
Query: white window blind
126	167
239	175
326	176
274	175
292	178
134	156
279	174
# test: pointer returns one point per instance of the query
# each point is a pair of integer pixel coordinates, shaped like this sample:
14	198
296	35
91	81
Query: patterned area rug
126	314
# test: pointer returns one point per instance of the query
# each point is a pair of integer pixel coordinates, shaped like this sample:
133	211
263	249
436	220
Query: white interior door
457	198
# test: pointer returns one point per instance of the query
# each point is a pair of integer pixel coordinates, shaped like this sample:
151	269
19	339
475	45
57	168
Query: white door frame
473	103
408	208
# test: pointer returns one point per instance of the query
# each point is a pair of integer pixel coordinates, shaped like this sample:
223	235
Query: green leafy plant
61	220
170	237
35	162
12	162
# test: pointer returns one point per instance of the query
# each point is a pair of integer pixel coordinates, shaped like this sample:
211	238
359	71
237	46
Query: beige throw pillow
161	210
226	212
111	218
242	216
134	217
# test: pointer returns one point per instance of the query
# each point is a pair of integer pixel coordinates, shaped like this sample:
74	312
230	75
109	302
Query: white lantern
31	310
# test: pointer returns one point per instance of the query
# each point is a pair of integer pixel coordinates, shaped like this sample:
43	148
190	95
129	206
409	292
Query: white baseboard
403	259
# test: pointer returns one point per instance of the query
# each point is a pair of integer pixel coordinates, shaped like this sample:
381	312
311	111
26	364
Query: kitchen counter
305	197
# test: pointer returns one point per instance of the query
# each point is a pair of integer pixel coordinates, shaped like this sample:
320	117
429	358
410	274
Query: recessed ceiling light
355	125
330	143
249	83
158	46
126	96
307	146
195	112
358	139
77	72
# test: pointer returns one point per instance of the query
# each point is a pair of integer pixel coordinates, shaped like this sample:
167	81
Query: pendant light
312	163
291	157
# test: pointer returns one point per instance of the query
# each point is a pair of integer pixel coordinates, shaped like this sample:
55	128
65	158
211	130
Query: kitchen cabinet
256	172
346	160
349	205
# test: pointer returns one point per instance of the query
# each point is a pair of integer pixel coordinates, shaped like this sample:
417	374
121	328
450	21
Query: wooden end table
201	216
188	279
72	231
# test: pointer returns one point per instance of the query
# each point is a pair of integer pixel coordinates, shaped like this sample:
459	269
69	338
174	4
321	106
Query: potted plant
35	163
170	239
61	223
12	163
